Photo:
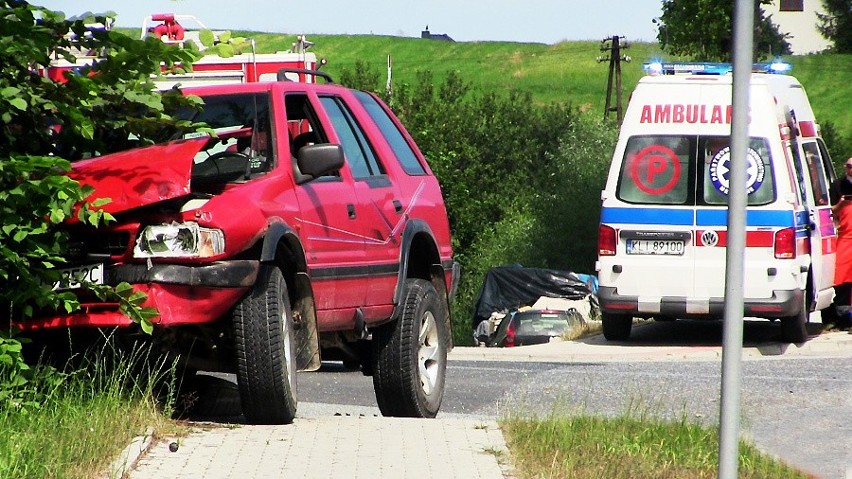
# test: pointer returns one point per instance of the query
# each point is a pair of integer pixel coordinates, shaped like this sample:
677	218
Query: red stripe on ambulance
754	239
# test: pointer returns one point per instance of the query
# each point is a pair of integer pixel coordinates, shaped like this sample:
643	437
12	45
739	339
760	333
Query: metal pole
388	85
732	345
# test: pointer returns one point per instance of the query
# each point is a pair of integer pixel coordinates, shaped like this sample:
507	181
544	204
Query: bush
100	108
521	181
839	147
556	227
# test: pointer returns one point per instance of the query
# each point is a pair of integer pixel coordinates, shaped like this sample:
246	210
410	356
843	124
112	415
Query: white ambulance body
662	245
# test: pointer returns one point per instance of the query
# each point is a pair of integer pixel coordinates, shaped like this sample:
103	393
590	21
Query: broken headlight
179	240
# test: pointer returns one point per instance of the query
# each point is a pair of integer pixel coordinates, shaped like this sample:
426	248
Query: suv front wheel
410	354
264	341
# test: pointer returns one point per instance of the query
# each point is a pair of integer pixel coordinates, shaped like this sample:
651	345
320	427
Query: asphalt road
795	401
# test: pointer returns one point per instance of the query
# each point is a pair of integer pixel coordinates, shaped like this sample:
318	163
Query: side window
799	172
816	172
401	149
827	165
656	170
360	156
715	154
303	127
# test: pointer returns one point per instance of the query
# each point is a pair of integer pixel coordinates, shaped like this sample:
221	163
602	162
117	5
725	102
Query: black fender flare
276	233
412	229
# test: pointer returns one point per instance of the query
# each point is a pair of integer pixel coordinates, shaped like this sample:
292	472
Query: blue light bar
695	68
657	67
777	67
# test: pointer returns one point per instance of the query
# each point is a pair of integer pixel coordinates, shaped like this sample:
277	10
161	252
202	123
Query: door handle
350	208
397	206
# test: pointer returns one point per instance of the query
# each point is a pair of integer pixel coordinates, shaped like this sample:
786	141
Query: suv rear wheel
410	355
264	341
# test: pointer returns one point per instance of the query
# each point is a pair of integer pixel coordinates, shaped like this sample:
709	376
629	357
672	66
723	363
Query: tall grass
82	417
625	447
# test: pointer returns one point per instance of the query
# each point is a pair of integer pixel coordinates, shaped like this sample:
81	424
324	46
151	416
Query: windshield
240	145
690	170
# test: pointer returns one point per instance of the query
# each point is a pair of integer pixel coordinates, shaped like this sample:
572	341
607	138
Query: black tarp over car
507	288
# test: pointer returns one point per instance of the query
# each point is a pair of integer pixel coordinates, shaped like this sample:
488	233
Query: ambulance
663	230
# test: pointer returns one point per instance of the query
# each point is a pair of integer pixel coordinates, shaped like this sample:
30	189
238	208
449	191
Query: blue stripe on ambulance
648	216
700	217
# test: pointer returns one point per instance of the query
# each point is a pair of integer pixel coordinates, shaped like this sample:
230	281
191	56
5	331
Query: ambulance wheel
793	328
616	327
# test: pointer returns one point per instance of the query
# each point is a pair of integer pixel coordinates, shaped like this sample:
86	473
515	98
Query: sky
535	21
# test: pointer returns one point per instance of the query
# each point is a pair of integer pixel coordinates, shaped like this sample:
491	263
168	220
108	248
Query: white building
798	18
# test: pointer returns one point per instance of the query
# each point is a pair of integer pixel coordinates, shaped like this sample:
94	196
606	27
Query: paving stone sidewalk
334	447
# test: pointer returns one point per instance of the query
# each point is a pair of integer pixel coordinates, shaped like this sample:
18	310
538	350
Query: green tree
703	30
362	78
105	106
836	24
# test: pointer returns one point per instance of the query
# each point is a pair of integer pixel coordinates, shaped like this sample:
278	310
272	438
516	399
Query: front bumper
223	274
181	294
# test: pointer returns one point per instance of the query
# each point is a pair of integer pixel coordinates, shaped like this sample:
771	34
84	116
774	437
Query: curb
128	457
596	349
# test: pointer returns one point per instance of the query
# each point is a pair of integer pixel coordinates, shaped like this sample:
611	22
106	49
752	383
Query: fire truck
186	31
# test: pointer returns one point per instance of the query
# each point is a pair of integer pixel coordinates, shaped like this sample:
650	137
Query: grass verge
625	447
74	423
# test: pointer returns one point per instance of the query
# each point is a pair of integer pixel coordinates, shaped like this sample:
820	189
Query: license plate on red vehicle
73	278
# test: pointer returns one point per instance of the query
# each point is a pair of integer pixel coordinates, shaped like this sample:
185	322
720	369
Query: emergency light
656	67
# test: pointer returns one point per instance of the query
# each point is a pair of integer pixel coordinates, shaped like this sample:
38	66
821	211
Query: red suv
307	221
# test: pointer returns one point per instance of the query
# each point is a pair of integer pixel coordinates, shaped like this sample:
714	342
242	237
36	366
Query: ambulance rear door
817	172
650	200
766	213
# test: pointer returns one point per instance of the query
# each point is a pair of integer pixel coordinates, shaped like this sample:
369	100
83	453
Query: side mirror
318	160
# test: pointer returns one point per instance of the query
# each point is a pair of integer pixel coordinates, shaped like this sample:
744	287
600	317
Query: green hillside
565	72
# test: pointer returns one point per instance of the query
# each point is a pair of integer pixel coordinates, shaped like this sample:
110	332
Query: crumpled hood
141	176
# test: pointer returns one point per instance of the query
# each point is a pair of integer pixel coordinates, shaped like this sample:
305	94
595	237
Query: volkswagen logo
709	238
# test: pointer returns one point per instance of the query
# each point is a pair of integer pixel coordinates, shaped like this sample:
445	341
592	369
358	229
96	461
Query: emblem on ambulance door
709	238
720	171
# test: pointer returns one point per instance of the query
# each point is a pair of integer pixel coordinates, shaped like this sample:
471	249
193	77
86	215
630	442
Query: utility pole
389	84
613	48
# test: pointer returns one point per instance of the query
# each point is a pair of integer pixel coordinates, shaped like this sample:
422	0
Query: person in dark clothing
840	195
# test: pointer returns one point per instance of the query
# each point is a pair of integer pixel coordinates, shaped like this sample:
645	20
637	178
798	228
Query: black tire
410	354
829	315
265	349
793	329
351	365
616	327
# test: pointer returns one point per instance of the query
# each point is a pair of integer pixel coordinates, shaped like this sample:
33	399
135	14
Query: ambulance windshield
690	170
